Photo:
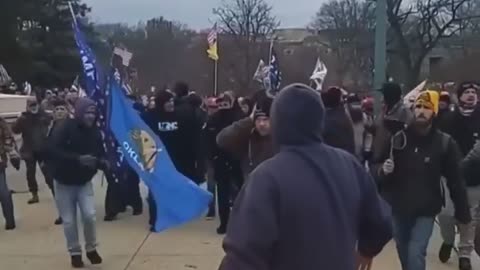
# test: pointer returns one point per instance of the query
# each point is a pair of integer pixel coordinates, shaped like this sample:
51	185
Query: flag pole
72	12
215	83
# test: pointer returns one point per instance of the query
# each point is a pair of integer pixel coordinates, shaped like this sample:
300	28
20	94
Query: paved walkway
38	244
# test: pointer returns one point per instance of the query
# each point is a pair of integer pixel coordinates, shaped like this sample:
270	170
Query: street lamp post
380	50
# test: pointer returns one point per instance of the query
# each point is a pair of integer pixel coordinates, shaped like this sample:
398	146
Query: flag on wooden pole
213	44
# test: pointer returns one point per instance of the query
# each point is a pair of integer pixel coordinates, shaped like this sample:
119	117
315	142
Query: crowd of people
289	172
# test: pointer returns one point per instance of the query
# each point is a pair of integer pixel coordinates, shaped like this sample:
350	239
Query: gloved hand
388	166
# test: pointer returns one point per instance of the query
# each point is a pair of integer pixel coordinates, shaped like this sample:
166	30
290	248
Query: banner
178	199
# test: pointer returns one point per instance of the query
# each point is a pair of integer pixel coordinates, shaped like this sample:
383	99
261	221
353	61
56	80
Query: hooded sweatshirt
309	205
180	134
71	140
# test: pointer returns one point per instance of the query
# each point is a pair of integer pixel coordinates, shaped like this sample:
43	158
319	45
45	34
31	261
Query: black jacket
415	189
34	129
66	144
464	129
180	132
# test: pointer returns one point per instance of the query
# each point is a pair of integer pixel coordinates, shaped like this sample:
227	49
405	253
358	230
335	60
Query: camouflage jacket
7	143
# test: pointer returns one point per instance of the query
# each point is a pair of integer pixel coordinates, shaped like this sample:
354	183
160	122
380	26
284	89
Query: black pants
31	164
228	182
113	199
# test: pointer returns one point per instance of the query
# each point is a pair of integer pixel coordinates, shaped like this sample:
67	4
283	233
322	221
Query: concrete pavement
38	244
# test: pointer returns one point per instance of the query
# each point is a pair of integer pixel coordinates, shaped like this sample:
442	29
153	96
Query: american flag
212	36
274	73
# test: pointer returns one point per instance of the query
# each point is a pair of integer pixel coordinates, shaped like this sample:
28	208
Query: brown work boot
34	198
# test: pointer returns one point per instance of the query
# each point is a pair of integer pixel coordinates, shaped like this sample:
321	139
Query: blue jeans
412	236
68	198
6	199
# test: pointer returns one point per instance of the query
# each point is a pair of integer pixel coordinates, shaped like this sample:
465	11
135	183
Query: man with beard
410	175
226	169
178	133
76	150
338	130
463	125
311	206
33	125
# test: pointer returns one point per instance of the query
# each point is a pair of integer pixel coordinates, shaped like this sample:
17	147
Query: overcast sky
195	13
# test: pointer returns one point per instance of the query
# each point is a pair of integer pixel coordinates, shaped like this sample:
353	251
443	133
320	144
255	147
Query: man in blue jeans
7	150
409	177
76	153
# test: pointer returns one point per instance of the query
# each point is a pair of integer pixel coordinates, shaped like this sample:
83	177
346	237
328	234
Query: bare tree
418	27
248	22
349	27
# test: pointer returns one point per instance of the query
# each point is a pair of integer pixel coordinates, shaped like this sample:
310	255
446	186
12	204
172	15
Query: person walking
307	194
409	174
77	153
33	124
463	124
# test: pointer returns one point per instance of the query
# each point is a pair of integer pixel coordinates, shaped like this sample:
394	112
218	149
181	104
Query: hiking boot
77	261
34	199
58	221
445	252
464	264
10	226
94	257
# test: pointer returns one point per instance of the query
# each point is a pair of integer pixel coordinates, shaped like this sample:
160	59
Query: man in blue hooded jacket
311	206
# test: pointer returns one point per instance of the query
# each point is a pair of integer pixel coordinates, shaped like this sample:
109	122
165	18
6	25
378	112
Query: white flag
5	79
319	74
124	54
410	98
261	72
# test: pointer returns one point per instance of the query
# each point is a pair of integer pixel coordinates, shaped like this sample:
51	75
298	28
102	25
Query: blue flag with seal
178	199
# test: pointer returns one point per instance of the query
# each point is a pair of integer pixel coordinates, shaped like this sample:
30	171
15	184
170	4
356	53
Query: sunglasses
471	85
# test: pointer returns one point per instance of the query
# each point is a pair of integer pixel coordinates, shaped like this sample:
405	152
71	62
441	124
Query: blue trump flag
94	81
177	198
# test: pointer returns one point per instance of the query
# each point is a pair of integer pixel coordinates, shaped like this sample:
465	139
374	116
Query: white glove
388	166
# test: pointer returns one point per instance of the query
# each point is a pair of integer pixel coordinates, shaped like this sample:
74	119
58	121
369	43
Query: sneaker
10	226
58	221
77	261
34	199
464	264
445	252
222	230
94	257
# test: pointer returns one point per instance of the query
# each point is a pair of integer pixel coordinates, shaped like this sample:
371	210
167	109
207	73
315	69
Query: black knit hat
263	107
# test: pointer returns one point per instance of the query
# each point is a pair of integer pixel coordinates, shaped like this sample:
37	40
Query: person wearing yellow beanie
415	160
428	100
